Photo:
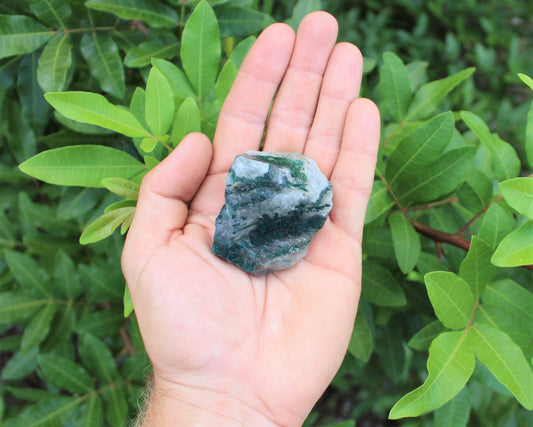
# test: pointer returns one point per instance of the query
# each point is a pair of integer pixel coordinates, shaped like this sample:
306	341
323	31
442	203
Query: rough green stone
274	205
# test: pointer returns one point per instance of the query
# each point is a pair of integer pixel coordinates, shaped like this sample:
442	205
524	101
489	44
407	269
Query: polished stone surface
274	205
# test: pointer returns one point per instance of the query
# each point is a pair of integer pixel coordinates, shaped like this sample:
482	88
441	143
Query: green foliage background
448	231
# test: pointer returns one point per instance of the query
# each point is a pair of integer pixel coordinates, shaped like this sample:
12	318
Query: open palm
270	344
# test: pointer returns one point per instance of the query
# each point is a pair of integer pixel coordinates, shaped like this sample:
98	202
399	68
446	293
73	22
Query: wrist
173	404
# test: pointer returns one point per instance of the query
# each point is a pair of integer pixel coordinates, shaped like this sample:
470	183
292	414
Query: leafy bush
448	229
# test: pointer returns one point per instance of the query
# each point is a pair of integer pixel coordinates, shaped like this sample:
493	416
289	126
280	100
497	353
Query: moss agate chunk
274	205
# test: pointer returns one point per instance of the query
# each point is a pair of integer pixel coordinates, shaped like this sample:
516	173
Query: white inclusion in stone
243	168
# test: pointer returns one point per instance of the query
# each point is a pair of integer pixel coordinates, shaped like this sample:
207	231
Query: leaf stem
476	216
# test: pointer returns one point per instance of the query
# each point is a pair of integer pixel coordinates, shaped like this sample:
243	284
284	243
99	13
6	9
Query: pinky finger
353	174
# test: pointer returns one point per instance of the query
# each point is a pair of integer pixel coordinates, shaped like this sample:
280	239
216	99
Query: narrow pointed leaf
506	362
153	12
15	306
423	338
504	160
65	374
54	13
518	193
49	412
21	34
497	223
143	54
476	269
181	88
406	242
224	82
122	187
450	364
200	48
82	165
105	225
438	179
515	249
188	119
66	278
476	191
94	109
430	95
34	106
361	342
105	64
30	275
451	298
380	202
528	142
37	330
98	359
456	412
394	86
526	79
422	146
380	287
20	365
91	412
241	21
159	109
115	406
54	64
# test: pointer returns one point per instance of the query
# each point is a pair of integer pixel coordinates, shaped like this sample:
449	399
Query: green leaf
380	202
528	141
450	364
44	217
122	187
423	338
390	348
115	406
421	147
200	48
380	287
456	412
526	79
54	13
20	365
54	64
105	64
65	374
506	362
91	412
430	95
100	323
105	225
188	119
476	269
98	359
516	248
94	109
31	394
394	86
82	165
120	204
66	279
224	82
406	241
181	88
154	13
49	412
518	193
240	51
476	190
37	330
142	55
451	298
21	34
497	223
301	9
159	108
417	73
241	21
504	160
361	341
15	306
513	299
438	179
128	303
30	275
61	328
96	280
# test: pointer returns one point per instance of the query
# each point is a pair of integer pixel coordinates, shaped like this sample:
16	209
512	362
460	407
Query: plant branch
476	216
128	345
455	239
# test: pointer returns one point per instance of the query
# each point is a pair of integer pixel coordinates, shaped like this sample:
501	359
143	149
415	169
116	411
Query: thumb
162	206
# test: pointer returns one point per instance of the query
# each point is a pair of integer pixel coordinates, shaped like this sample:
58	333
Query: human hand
227	347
